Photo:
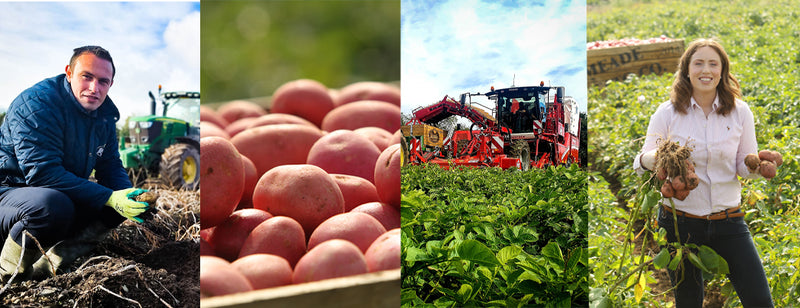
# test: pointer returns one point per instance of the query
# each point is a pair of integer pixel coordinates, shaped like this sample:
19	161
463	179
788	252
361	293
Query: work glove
123	202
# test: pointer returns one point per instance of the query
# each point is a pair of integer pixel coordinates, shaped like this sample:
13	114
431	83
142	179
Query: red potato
206	233
682	194
387	175
264	270
666	190
208	129
396	137
251	177
238	126
772	156
692	181
228	236
238	109
345	152
360	114
678	183
355	190
280	235
305	193
218	277
689	166
306	98
752	161
379	136
206	249
280	118
222	180
358	228
661	174
388	215
275	145
384	253
368	90
211	115
331	259
767	169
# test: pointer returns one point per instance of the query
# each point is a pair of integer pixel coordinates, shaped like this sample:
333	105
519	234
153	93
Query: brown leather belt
729	213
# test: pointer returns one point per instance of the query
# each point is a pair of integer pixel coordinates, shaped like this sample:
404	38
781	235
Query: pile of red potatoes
305	191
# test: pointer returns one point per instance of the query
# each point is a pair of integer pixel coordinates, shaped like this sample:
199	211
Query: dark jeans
47	214
731	239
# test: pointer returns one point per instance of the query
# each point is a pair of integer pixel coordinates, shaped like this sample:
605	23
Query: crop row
478	237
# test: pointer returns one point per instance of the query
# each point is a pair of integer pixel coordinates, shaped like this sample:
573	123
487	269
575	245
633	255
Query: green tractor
168	145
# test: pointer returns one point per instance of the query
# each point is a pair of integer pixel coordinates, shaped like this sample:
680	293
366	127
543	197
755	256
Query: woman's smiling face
705	69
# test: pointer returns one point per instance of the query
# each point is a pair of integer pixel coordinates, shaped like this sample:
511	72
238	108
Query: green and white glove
123	202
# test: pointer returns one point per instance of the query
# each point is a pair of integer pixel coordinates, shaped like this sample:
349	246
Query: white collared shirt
720	145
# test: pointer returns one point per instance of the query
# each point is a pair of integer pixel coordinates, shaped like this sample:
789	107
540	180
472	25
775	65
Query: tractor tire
404	158
180	166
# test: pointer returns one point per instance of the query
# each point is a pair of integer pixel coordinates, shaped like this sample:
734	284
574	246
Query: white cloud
151	43
456	46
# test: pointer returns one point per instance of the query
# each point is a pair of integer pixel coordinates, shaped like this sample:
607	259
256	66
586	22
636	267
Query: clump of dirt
152	264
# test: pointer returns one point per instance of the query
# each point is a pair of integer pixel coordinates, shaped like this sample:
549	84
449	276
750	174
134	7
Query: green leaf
507	253
416	254
697	262
464	293
477	252
673	265
552	251
715	263
650	201
662	259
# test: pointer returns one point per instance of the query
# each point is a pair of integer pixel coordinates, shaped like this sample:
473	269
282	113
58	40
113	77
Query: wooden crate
432	136
616	63
380	289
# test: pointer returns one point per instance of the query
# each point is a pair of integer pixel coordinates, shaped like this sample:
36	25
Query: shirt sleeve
658	128
748	143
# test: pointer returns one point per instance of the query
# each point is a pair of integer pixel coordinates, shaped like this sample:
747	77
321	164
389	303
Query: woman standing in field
705	112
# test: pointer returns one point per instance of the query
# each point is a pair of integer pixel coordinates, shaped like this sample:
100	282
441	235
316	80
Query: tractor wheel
180	166
520	149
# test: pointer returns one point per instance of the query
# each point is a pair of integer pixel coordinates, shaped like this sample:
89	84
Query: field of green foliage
494	238
761	40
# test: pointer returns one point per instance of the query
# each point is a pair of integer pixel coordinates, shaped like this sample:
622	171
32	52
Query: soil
152	264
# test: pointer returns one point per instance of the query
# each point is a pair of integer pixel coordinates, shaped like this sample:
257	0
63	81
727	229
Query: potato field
760	37
489	237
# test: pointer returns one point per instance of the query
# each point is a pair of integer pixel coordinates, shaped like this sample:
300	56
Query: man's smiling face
90	79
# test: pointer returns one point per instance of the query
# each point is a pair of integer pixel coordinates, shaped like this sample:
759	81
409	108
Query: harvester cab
542	118
167	145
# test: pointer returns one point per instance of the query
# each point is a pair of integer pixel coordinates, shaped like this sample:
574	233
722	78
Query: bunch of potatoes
305	191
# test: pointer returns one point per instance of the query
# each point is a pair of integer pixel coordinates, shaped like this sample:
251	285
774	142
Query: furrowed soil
152	264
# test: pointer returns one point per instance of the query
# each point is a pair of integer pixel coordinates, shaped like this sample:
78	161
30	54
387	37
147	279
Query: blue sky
456	46
151	43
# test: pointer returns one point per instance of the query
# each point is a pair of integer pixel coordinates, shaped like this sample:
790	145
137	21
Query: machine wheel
180	166
404	158
520	149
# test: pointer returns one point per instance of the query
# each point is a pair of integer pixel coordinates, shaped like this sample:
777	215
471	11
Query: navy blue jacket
49	140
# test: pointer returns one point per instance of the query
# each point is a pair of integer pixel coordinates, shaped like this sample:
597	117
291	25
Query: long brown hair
727	89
